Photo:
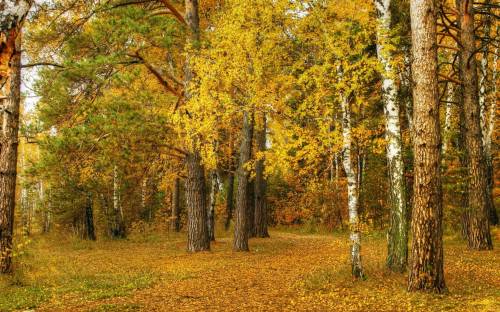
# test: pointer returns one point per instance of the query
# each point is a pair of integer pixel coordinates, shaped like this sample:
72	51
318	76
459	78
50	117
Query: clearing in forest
289	272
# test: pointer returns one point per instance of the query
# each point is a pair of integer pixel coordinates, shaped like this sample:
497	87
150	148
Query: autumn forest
249	155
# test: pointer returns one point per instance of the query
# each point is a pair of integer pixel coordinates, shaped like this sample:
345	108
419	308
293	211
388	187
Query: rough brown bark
426	269
229	199
478	230
240	242
10	98
196	203
175	224
260	183
251	206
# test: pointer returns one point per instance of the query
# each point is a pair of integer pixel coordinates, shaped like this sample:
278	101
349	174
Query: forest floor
288	272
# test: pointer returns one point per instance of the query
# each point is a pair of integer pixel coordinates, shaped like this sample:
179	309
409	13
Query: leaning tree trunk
175	224
196	203
11	19
352	193
426	267
214	185
260	183
397	255
478	230
240	242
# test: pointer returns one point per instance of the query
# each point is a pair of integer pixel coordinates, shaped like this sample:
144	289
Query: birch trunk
118	226
260	183
175	224
426	267
241	234
11	19
487	104
493	97
478	230
214	185
397	254
352	192
448	131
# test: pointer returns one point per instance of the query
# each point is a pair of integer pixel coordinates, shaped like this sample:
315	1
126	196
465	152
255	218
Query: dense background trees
197	115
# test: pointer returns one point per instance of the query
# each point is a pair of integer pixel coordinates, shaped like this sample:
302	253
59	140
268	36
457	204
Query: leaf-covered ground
289	272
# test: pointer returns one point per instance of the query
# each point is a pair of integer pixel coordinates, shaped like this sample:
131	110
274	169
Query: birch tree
487	104
398	233
352	191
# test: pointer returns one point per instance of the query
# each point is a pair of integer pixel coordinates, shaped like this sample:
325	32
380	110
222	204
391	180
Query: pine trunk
352	192
241	233
229	199
198	239
175	224
260	183
426	266
10	99
478	230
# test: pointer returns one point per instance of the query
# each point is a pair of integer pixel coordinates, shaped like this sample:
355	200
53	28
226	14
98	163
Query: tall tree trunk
493	216
260	182
11	19
214	185
175	224
196	203
406	88
397	253
229	199
426	268
240	242
198	239
462	158
118	225
352	192
251	206
448	130
487	104
89	231
478	231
